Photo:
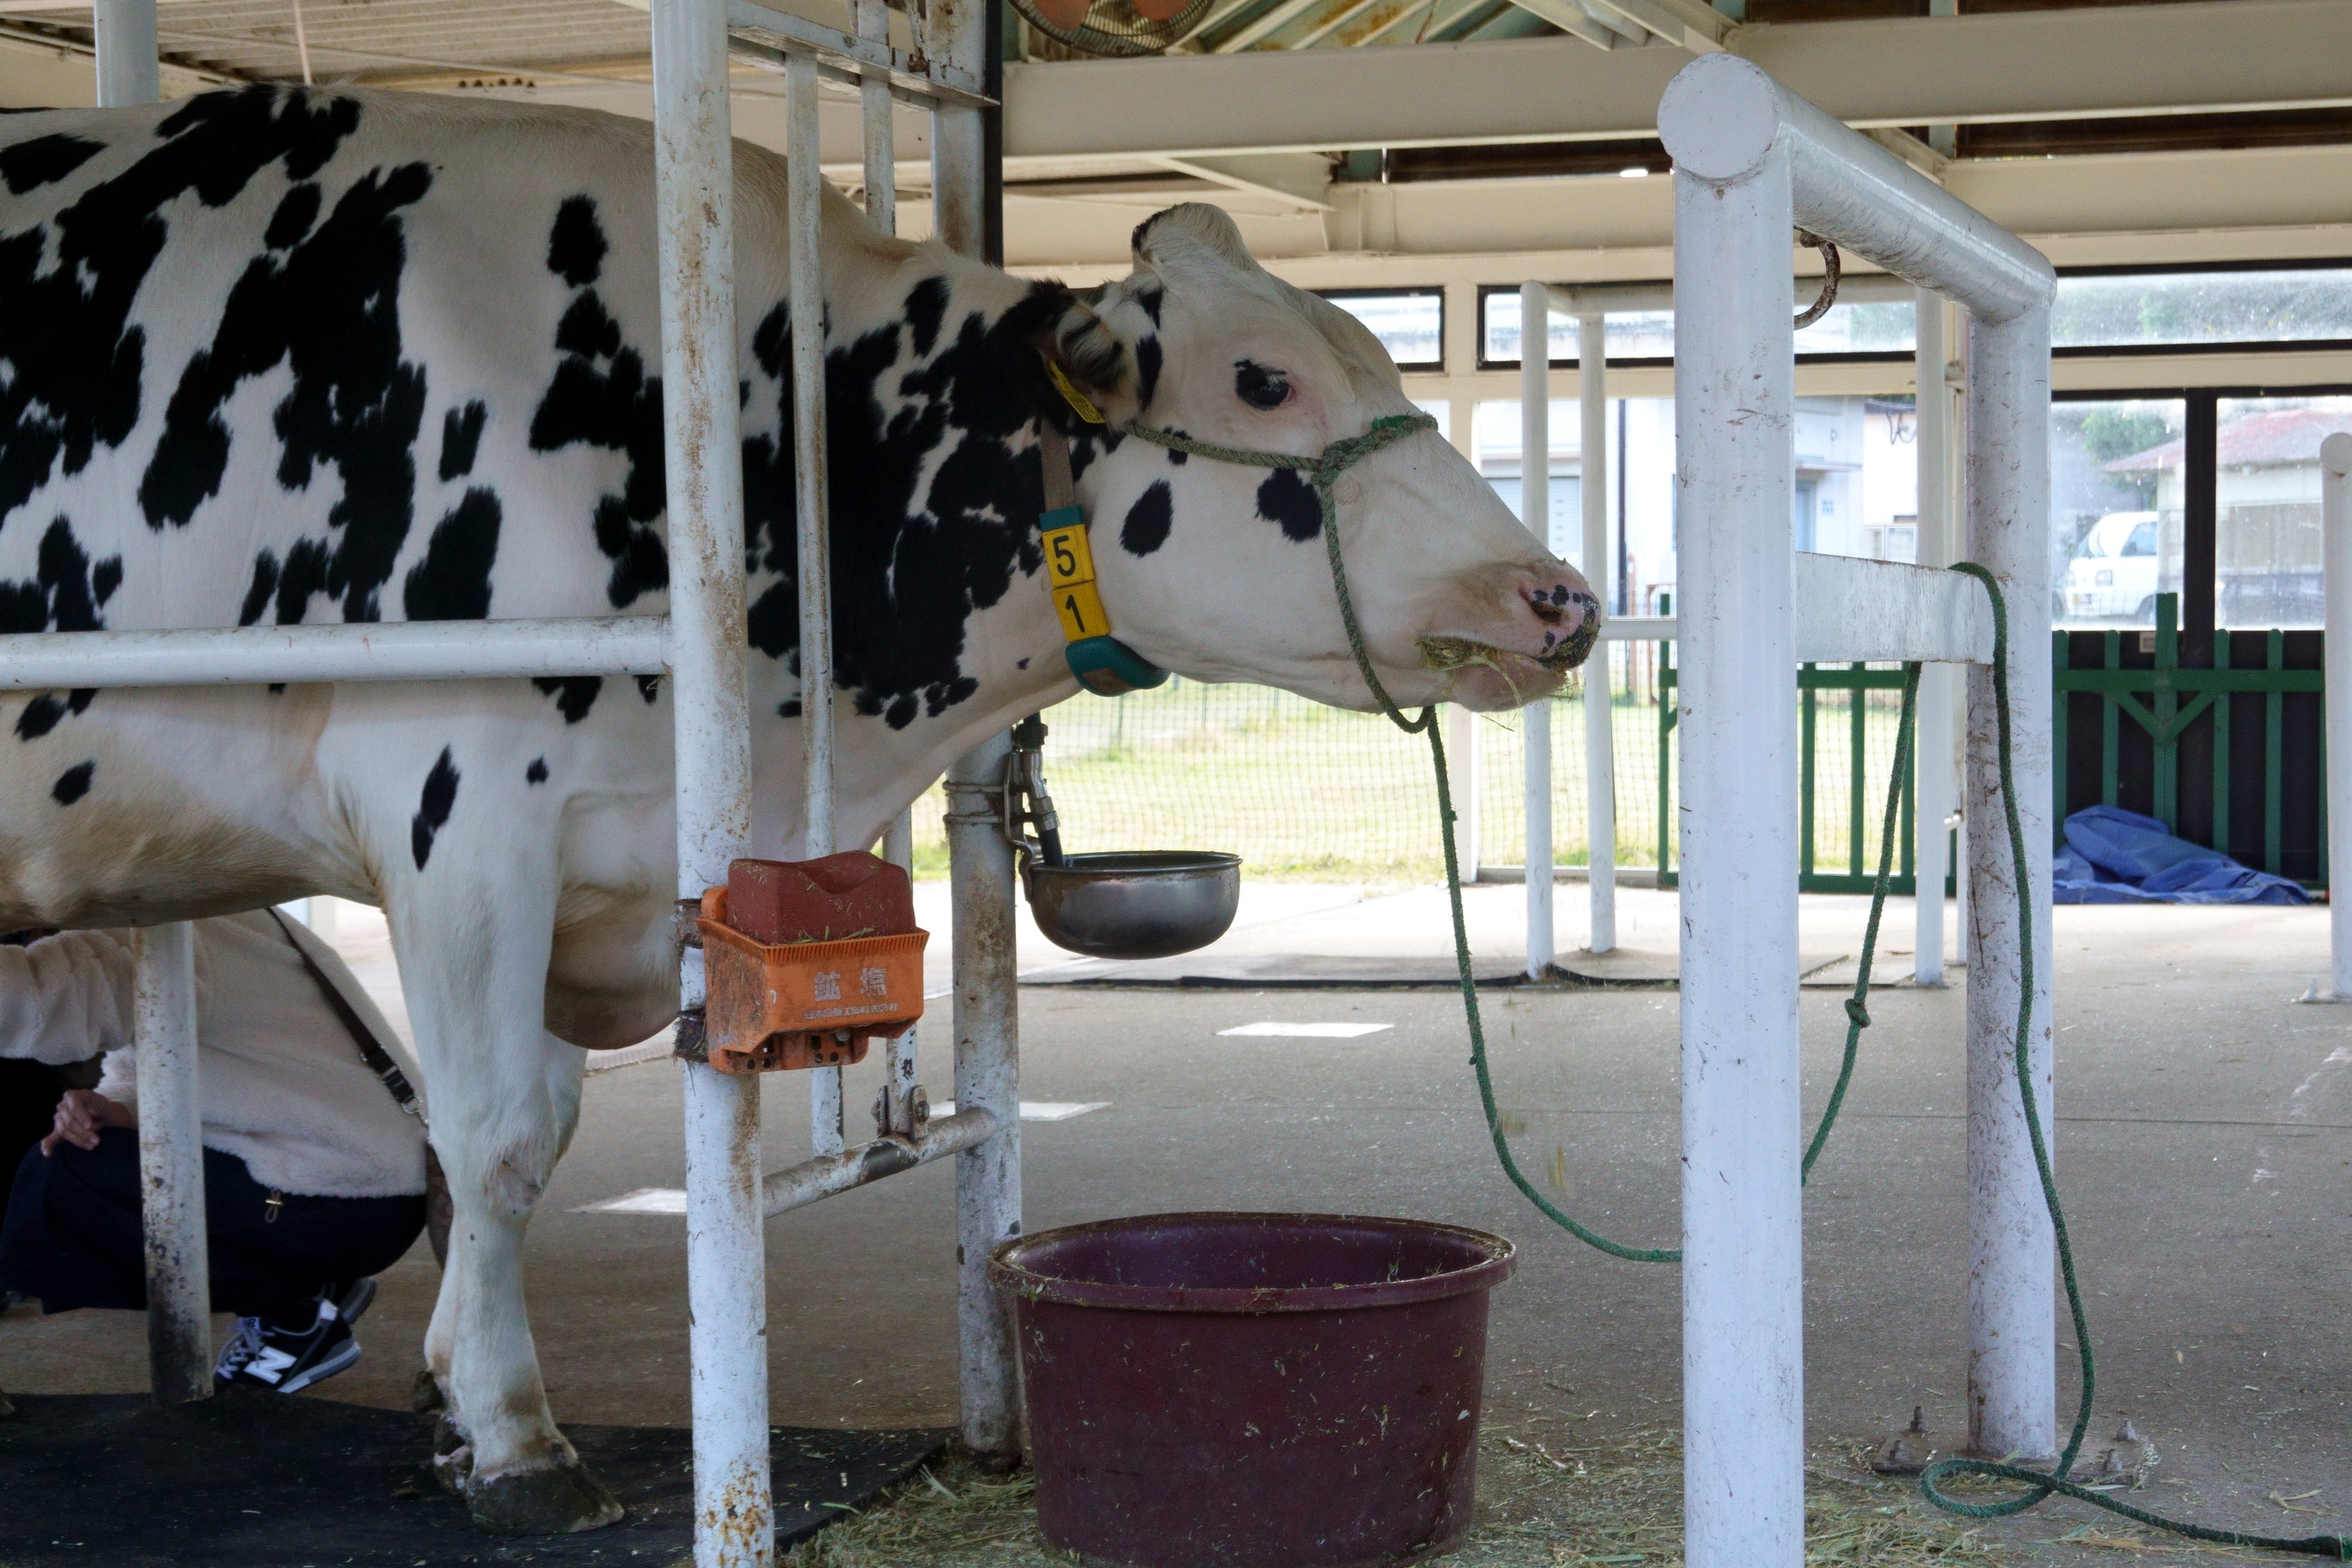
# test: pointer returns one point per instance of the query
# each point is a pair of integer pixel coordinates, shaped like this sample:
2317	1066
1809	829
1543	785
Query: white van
2113	573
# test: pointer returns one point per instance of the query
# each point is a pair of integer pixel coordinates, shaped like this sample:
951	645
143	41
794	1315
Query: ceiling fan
1114	29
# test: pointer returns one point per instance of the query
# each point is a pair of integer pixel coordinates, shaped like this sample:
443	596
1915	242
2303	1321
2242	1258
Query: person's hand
81	1114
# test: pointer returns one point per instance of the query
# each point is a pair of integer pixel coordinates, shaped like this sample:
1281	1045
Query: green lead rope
1322	471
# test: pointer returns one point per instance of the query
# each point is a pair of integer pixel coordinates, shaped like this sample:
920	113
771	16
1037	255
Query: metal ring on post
1821	307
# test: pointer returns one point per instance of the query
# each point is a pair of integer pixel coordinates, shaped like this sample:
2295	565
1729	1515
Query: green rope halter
1322	471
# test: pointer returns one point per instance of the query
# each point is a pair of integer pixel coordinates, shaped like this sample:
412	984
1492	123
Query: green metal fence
2176	709
1847	716
2226	756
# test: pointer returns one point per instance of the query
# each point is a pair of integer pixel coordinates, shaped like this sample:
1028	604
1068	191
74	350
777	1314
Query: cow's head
1220	571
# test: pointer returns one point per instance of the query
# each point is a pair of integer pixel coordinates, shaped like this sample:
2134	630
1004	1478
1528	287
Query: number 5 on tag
1068	560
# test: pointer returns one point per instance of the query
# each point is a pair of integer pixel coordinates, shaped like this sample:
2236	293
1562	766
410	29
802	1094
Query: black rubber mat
259	1481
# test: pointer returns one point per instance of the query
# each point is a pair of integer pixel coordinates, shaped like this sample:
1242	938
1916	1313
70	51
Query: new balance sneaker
290	1357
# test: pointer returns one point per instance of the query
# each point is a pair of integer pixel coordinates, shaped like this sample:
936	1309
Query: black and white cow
276	356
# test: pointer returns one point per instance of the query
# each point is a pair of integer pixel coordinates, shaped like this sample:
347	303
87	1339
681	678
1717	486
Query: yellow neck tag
1077	400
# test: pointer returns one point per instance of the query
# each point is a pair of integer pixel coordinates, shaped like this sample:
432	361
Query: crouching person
314	1159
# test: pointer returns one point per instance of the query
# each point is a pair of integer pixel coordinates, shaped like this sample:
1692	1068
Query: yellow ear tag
1077	401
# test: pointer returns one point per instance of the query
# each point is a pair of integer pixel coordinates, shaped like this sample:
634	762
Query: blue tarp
2118	857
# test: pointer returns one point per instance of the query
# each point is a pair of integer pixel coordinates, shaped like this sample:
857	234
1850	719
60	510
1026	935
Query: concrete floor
2204	1138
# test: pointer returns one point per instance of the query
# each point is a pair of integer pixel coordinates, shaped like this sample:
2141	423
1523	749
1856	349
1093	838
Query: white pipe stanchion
726	1255
881	137
803	226
1743	1276
1599	714
128	69
172	1166
987	1078
1751	160
2013	1291
1535	719
171	1114
896	1111
987	1003
2336	523
1932	771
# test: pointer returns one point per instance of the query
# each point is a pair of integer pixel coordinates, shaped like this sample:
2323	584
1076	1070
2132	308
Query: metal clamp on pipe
690	1040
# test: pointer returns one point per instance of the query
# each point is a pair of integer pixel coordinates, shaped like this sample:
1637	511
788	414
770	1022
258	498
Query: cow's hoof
453	1457
553	1502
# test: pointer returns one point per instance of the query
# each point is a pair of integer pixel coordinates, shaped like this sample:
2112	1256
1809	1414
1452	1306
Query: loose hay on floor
1541	1504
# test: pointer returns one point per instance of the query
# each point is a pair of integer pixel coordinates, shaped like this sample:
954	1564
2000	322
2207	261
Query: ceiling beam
1575	21
1300	179
2107	208
1273	20
2199	57
1698	28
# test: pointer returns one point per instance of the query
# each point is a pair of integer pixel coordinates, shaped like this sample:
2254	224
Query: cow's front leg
504	1096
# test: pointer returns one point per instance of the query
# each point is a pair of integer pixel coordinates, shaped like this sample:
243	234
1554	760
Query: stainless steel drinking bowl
1136	904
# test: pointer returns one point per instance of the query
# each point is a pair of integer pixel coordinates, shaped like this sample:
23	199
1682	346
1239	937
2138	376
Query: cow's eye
1259	386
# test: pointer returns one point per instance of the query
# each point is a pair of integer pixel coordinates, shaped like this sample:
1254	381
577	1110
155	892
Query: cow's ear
1085	357
1194	233
1066	358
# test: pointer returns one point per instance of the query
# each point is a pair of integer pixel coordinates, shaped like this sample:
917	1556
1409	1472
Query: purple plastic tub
1252	1390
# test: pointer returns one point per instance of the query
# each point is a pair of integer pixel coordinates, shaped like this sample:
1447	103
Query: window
2266	558
1409	322
1878	329
2117	493
2195	310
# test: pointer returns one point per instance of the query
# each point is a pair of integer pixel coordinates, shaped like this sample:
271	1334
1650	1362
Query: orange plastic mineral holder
791	1006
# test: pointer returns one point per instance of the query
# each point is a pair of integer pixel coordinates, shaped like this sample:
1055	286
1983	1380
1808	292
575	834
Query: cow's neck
944	632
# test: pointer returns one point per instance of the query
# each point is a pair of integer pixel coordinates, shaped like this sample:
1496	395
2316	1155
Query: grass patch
1540	1505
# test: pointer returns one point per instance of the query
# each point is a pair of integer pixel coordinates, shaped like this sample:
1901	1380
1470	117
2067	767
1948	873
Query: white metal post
987	1003
124	33
1599	714
956	31
2012	1349
2336	525
987	1078
1743	1276
170	1115
1535	510
172	1166
881	137
882	211
1932	773
804	224
725	1247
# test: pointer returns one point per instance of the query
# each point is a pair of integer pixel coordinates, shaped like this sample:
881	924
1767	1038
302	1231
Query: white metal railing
2336	542
1936	754
699	643
1752	162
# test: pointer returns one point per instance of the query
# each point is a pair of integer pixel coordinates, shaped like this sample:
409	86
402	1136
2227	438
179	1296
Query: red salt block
830	899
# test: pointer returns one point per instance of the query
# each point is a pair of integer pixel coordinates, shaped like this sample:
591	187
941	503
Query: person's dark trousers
72	1236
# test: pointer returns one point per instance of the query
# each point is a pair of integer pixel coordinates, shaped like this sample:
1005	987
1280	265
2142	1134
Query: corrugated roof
2276	436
